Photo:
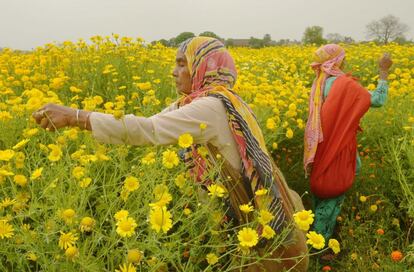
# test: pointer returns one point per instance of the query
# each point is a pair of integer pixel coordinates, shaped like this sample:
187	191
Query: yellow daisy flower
247	237
315	240
160	219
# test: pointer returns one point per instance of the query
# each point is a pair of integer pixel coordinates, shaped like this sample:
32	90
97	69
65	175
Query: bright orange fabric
333	170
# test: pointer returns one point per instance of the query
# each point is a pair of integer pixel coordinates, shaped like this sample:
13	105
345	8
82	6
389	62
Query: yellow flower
373	208
19	160
203	151
354	256
134	256
78	172
126	227
68	215
216	190
55	152
271	124
169	159
7	202
289	133
27	133
124	194
161	195
371	87
118	114
6	230
20	180
31	256
74	89
143	86
20	144
265	217
71	252
120	215
185	140
180	180
187	211
43	148
160	219
67	240
211	258
268	232
246	208
334	245
304	219
131	184
315	240
247	237
203	126
85	182
126	268
36	173
87	224
363	199
261	192
5	116
6	155
149	158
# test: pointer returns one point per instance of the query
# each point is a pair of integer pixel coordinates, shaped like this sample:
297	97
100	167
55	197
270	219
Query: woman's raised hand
52	116
384	64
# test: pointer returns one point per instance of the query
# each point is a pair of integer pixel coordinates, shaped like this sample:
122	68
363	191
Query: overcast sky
25	24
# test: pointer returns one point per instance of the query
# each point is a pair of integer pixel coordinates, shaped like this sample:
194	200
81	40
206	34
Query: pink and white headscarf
327	62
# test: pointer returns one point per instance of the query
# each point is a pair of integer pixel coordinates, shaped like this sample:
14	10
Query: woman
337	103
205	74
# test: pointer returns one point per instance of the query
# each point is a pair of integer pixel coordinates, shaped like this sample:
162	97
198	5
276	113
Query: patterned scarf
327	62
213	73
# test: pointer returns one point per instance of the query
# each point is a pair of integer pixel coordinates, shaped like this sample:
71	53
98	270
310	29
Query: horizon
25	25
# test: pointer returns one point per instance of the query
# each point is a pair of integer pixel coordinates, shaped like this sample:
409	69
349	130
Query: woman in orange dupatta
330	136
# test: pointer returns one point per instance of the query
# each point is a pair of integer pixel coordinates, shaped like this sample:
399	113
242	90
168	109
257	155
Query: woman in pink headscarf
337	104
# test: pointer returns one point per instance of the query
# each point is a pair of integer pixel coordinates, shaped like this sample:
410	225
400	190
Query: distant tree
387	29
283	42
401	40
229	42
210	34
171	42
267	40
338	38
255	42
348	39
162	41
334	38
313	35
182	37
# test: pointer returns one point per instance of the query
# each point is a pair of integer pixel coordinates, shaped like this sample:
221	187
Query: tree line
385	30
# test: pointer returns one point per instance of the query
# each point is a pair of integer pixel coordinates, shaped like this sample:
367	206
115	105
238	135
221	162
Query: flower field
69	203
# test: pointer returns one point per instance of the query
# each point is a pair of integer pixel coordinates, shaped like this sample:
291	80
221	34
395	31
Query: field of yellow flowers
68	203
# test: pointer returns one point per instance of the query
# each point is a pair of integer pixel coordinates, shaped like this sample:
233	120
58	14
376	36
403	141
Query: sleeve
160	129
379	96
328	85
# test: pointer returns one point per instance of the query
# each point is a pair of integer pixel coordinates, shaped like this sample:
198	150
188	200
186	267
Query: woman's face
182	74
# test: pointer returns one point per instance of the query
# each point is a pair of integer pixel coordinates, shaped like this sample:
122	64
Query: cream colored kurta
165	127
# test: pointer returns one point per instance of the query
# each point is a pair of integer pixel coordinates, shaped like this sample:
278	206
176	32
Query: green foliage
313	35
210	34
182	37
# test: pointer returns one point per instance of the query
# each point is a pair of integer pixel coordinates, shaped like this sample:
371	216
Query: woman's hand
52	116
384	65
